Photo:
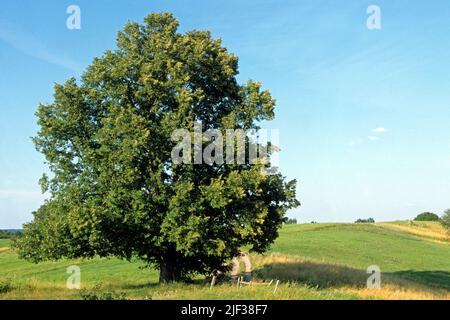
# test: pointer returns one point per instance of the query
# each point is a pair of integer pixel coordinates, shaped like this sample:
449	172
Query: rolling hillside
312	261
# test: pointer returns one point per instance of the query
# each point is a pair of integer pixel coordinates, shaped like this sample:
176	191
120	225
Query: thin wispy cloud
32	46
373	137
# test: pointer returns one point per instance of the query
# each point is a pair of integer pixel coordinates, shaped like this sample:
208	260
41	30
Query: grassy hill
312	261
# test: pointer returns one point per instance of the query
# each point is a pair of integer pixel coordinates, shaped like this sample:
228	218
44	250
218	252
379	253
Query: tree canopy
115	190
427	216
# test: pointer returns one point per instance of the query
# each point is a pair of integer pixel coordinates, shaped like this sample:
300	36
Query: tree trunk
169	271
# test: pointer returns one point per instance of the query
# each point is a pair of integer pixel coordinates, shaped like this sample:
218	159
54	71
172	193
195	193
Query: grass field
312	261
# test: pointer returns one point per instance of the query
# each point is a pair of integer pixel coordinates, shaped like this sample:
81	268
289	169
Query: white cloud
359	141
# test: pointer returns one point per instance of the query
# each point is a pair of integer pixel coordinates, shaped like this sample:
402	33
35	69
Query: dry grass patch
394	292
433	231
344	279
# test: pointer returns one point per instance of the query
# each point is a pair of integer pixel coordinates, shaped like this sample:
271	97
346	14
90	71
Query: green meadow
311	261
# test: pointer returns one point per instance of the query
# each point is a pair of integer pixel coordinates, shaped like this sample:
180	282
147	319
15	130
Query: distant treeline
8	234
287	220
370	220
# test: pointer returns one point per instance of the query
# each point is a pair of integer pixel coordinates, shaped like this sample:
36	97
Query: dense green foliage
427	216
115	189
97	293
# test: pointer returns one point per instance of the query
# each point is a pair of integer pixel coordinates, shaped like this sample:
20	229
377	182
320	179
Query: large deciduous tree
115	190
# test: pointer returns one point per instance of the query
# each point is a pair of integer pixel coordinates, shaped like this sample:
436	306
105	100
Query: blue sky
335	82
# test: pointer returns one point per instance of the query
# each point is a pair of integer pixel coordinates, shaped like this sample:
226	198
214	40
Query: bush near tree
427	216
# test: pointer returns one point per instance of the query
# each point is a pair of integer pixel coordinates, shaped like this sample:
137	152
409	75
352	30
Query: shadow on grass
324	275
155	284
313	274
438	279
